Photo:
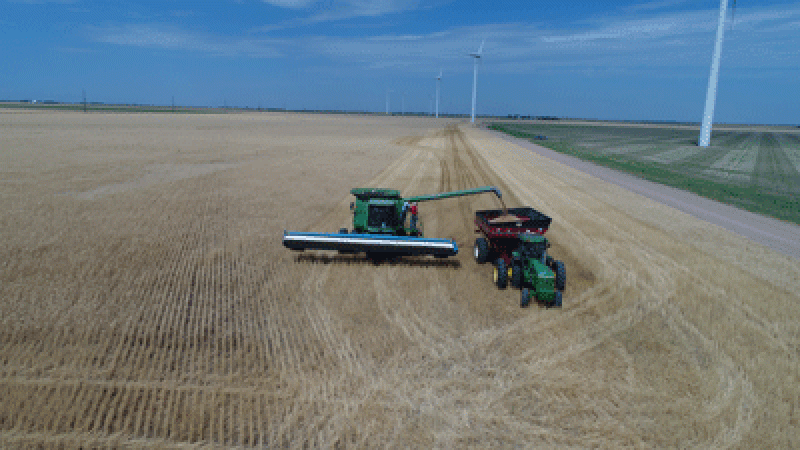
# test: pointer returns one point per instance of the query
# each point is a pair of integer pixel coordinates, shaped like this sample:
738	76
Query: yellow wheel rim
495	274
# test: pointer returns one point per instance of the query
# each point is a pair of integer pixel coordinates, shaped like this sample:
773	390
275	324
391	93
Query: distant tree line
521	117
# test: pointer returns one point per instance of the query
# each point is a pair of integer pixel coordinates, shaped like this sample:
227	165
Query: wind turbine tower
711	94
387	101
477	56
438	83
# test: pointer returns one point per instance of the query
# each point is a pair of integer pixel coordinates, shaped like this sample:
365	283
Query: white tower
711	94
476	57
438	82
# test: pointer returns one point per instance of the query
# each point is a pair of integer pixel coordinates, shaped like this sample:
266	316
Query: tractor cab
532	247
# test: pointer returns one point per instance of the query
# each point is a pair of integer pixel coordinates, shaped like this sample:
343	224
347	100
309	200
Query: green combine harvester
380	227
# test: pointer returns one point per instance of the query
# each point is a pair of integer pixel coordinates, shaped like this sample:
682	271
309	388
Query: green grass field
756	171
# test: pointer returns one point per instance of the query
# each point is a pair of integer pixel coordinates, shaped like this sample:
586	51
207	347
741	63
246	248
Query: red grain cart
501	230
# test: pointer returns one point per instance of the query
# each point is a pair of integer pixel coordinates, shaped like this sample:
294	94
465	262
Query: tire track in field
397	311
735	392
774	170
709	155
428	335
346	377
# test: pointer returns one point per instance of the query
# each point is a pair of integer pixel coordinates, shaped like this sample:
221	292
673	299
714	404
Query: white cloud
672	41
76	50
38	2
330	11
651	6
667	42
155	36
294	4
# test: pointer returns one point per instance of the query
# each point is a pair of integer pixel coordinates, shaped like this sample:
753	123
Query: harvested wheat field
147	300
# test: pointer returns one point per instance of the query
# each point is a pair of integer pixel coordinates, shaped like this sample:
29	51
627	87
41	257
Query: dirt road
161	310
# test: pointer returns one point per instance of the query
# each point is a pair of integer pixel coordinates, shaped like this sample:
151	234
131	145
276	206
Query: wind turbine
711	94
387	100
438	82
477	56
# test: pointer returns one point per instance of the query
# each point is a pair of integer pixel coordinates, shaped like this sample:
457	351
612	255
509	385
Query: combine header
379	226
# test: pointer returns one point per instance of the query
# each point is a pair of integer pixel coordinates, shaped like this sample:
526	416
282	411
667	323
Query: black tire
481	250
556	302
561	275
516	276
524	298
500	273
548	261
342	230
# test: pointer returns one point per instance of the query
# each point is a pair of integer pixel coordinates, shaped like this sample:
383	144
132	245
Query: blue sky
623	60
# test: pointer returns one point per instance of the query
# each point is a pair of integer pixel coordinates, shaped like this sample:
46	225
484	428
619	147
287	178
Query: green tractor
534	272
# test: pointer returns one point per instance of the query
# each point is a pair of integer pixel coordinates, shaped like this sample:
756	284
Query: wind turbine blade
480	50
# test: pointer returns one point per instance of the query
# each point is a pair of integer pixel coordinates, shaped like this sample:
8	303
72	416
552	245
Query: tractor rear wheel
516	276
481	250
556	302
524	298
500	273
561	275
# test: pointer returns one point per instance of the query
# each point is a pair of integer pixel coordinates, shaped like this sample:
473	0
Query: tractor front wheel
561	275
481	250
524	298
500	273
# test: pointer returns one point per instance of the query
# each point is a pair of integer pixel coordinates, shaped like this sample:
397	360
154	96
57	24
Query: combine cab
382	226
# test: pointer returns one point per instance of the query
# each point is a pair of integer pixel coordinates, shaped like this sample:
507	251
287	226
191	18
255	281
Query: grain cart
513	239
500	230
379	227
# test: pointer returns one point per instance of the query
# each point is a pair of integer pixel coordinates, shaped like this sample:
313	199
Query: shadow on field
363	260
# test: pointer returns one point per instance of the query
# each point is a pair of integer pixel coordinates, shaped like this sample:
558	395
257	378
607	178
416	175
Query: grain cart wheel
524	298
516	276
481	250
561	275
556	302
500	273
